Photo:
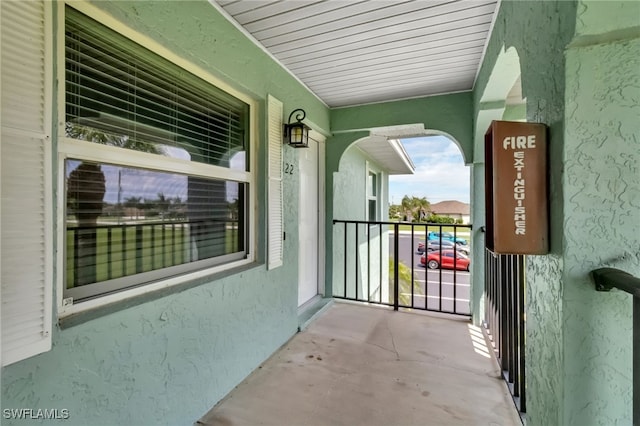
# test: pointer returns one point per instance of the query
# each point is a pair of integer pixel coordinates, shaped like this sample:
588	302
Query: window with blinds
120	94
128	225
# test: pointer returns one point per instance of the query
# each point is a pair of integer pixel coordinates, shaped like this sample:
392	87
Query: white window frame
70	148
369	170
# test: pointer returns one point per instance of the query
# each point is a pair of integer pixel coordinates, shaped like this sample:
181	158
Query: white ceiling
350	52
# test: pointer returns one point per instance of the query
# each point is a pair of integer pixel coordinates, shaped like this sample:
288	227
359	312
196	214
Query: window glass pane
372	185
122	221
120	94
372	211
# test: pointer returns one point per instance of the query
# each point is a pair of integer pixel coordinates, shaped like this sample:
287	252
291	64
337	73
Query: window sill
80	314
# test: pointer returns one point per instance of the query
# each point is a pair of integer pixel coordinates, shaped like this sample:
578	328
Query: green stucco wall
580	72
349	203
539	32
170	359
451	114
601	183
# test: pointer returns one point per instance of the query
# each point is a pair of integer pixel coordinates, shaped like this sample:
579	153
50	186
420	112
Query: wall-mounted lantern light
297	134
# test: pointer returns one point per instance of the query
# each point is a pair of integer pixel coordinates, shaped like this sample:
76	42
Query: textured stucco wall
169	360
349	203
580	76
539	31
602	210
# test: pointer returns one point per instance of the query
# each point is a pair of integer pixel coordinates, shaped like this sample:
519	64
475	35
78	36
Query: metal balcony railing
505	318
393	264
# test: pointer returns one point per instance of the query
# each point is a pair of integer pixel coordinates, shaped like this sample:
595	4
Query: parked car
446	245
435	236
434	245
433	260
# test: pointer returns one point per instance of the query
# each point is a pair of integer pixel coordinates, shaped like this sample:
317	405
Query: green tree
415	209
133	203
395	212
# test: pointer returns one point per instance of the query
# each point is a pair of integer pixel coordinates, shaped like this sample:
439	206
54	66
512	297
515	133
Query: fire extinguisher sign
516	167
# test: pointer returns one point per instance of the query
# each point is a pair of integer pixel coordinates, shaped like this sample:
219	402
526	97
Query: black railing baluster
505	318
412	266
346	256
396	265
390	260
426	269
380	262
508	304
440	269
357	255
369	263
521	326
455	268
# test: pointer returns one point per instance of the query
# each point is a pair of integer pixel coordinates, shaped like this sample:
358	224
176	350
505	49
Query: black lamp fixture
297	134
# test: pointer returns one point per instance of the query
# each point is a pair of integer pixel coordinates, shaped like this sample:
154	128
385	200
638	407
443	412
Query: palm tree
407	208
414	207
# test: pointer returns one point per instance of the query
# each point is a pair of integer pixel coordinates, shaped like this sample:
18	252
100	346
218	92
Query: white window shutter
25	197
275	225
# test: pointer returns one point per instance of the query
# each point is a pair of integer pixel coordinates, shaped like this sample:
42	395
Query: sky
440	172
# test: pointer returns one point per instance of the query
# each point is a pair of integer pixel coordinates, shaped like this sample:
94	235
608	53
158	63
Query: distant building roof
450	207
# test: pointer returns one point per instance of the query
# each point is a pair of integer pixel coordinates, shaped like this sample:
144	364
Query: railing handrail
374	222
607	278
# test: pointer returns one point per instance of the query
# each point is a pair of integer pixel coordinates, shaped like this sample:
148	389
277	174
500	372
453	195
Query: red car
433	260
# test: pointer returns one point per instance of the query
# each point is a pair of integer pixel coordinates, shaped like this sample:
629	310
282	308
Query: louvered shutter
275	219
25	227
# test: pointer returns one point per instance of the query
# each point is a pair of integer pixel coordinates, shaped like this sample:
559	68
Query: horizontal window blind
130	225
118	93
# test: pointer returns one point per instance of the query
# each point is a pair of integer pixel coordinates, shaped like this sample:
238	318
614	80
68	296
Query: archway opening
441	178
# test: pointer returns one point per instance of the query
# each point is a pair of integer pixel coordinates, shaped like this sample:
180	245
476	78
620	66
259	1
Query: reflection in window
123	221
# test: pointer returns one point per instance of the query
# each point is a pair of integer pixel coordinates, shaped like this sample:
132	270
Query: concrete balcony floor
360	365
